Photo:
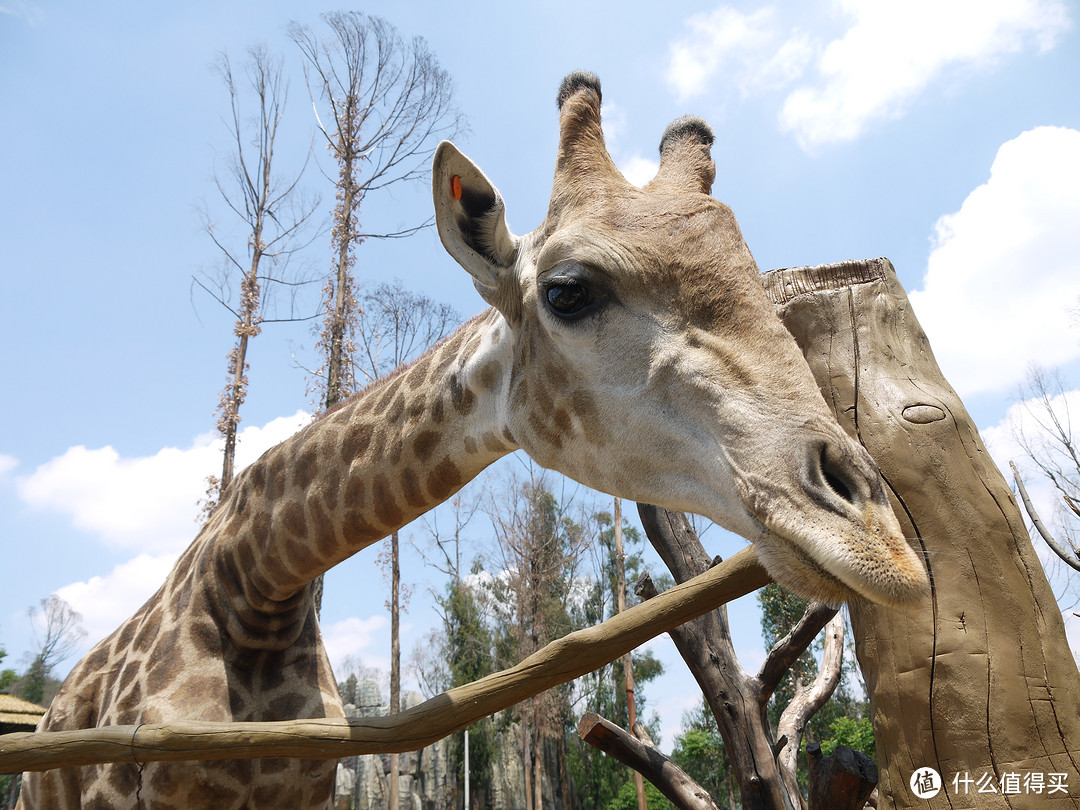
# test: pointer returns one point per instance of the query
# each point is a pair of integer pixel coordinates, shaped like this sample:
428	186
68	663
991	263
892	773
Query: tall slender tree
385	104
275	217
464	648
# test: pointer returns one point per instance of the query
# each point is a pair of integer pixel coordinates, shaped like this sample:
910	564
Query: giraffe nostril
840	477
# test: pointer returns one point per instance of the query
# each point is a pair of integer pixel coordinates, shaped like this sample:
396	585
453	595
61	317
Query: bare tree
1052	448
275	217
58	631
385	103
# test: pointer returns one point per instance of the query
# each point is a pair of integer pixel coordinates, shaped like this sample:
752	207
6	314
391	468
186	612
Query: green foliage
780	612
856	733
626	798
699	751
598	779
469	655
33	682
350	690
7	676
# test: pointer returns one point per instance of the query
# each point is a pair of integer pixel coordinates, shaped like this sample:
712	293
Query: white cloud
638	170
1001	440
31	13
148	503
888	54
106	601
7	464
355	638
1003	279
746	51
894	51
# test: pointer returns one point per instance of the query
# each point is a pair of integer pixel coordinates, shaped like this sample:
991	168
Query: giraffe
629	345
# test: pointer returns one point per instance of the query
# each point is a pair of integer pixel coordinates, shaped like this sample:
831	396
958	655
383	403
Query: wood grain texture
980	679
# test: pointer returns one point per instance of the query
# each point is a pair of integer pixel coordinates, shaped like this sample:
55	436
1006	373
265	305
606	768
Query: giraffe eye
568	299
571	291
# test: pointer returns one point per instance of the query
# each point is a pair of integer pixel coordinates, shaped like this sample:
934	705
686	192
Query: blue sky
944	135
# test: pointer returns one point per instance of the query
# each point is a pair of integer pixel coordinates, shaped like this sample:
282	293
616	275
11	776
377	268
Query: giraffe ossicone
629	345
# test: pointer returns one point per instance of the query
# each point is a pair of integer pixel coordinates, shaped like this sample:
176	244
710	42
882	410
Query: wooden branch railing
563	660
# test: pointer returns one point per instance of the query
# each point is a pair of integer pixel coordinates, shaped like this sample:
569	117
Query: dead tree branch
842	781
643	757
1072	560
788	649
807	702
706	646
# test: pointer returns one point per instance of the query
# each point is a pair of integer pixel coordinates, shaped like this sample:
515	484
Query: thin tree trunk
395	661
538	770
247	327
231	416
564	776
527	767
735	699
628	659
335	346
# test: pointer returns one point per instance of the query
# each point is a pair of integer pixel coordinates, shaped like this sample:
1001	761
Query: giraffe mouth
798	572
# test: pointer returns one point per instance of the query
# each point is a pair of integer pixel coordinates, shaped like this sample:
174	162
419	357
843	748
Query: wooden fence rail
563	660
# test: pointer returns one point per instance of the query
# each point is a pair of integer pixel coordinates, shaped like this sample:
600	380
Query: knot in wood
923	414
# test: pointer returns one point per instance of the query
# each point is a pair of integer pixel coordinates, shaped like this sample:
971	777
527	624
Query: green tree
626	798
541	545
58	631
7	676
274	218
699	750
469	655
843	720
856	733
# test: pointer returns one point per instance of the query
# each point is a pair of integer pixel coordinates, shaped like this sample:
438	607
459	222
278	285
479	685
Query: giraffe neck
359	473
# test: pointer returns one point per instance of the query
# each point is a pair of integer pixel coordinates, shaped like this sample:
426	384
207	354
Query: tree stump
843	780
979	682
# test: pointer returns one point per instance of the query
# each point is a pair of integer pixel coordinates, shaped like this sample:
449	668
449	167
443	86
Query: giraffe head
649	363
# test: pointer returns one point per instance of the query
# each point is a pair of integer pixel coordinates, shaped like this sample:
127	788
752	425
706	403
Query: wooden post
979	680
842	781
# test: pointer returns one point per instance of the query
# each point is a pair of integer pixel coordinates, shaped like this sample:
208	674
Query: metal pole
466	769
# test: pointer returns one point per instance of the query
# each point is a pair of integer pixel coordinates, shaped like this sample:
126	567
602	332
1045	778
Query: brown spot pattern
386	508
443	479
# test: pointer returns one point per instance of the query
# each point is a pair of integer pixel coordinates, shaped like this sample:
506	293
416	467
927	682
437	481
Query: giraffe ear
471	217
